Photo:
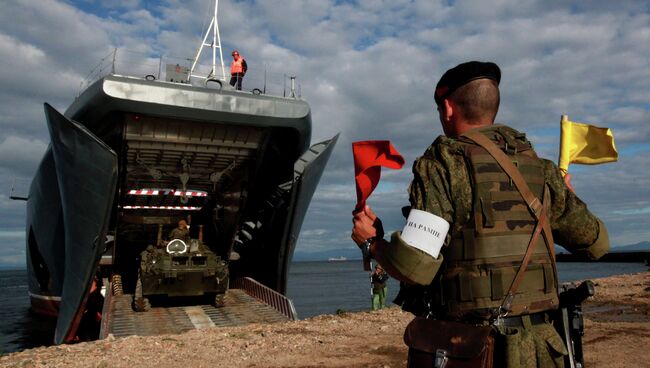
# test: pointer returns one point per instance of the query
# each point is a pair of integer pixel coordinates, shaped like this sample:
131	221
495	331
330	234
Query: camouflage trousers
529	346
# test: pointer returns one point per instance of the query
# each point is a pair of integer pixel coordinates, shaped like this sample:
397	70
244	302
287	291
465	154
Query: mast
216	44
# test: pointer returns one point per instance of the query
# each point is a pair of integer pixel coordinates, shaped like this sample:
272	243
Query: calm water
315	288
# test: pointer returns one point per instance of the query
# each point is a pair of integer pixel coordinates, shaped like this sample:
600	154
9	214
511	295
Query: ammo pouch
447	344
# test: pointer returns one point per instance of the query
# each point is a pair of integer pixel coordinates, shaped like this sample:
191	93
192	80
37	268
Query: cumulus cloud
20	155
368	70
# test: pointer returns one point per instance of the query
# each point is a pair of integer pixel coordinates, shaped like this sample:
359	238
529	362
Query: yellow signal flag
585	144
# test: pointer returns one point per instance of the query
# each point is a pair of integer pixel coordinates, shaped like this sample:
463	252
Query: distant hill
638	247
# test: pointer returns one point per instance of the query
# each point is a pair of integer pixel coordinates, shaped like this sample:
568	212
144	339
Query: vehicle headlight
176	246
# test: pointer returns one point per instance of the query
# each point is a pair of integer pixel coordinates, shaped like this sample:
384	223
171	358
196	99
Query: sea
322	287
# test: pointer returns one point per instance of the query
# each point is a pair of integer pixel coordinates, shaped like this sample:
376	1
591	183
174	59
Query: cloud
367	70
633	211
20	155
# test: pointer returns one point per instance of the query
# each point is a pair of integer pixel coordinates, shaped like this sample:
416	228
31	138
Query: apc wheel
220	300
140	303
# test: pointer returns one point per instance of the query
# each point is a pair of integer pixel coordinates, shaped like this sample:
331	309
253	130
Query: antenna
216	44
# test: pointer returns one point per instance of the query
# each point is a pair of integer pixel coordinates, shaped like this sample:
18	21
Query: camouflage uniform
379	290
182	234
442	185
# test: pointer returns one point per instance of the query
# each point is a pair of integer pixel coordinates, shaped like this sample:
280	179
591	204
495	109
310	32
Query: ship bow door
86	171
307	171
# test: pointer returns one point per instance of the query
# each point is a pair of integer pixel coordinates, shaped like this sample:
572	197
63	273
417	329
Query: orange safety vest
237	66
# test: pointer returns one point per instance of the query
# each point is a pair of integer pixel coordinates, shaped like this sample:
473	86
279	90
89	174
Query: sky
368	70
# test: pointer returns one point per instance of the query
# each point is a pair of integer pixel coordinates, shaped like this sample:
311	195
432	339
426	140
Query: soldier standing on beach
492	219
379	280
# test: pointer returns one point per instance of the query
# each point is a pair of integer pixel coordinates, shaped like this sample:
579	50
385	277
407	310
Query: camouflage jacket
182	234
442	186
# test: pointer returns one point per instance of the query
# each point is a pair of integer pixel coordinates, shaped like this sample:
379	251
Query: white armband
425	231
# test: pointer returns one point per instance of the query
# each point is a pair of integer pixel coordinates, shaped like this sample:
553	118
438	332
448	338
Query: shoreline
617	325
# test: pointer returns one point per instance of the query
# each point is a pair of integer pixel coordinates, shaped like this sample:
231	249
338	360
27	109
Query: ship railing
269	296
261	79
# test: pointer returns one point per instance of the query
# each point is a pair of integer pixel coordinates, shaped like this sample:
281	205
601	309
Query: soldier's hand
364	225
567	181
376	222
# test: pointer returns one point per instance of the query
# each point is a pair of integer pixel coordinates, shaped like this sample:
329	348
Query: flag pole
564	159
371	294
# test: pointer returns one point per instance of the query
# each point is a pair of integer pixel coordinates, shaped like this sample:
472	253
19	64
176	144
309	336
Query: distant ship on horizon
337	259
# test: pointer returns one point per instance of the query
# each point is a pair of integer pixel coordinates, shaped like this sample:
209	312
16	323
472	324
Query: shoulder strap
537	208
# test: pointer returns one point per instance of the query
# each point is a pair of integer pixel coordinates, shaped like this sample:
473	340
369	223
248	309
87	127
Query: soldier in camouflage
490	226
379	280
181	232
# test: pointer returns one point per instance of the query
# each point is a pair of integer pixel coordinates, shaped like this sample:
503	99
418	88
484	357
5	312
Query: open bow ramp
86	173
247	302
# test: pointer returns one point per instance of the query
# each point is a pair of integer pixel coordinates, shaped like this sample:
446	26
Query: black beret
464	73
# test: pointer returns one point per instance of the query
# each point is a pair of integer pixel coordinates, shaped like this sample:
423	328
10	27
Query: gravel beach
617	335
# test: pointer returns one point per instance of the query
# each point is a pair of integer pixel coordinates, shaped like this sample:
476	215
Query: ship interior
231	183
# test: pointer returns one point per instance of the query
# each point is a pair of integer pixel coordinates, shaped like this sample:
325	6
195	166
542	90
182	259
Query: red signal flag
369	157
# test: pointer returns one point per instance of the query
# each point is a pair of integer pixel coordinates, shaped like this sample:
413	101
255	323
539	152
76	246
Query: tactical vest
484	256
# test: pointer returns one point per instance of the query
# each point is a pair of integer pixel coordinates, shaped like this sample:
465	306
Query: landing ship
133	155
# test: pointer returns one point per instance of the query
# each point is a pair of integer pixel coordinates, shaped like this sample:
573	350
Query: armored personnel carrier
179	268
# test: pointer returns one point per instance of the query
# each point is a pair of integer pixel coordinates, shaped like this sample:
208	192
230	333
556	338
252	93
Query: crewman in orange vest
237	69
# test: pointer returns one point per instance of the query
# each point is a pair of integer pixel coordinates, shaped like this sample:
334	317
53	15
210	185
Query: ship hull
46	305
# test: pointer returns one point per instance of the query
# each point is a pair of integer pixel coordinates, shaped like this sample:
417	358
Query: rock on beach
617	335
